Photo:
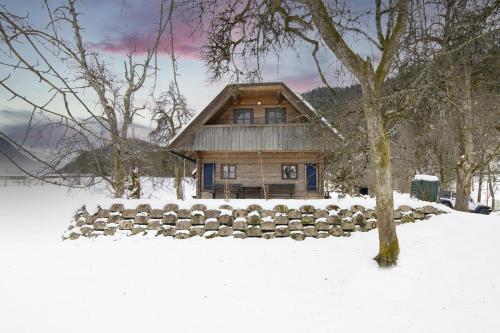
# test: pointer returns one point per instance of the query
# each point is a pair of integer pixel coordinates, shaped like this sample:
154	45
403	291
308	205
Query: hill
331	105
151	159
9	153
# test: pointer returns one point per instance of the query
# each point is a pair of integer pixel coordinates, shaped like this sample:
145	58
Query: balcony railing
286	137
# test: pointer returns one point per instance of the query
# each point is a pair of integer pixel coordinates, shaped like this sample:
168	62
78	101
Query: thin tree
171	111
92	105
453	38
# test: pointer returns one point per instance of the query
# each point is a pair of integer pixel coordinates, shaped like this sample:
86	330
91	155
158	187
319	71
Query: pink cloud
140	44
186	43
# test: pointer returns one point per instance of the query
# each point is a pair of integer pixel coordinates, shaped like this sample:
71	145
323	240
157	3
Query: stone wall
307	221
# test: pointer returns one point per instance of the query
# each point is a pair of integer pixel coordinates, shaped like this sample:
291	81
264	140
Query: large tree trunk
480	186
464	181
135	185
465	144
118	171
381	159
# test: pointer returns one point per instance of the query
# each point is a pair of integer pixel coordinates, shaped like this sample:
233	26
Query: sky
114	27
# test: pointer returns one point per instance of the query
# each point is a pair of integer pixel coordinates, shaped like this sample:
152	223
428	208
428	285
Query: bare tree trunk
442	176
491	181
135	184
480	186
118	171
118	175
463	190
381	159
465	145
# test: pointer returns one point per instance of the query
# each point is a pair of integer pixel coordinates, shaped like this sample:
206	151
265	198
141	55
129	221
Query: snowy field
447	280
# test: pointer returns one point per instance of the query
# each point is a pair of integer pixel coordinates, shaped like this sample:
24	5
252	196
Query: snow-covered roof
426	177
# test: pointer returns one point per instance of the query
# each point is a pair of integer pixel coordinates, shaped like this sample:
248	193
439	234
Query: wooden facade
255	169
255	140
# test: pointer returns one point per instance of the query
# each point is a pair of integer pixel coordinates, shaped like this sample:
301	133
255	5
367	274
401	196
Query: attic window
243	116
275	116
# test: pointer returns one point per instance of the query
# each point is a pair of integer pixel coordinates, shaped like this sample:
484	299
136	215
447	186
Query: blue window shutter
311	173
208	175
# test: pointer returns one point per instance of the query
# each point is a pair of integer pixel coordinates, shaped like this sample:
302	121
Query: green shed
425	187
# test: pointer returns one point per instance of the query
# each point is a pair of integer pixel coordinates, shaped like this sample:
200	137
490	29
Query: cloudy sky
114	27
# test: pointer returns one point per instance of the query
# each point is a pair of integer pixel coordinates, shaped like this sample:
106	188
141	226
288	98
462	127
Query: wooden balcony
286	137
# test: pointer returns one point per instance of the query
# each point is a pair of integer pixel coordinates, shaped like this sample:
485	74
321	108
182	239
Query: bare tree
448	39
171	112
241	35
93	106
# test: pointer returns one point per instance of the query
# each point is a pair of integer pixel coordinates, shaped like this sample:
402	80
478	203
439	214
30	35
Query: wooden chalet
256	141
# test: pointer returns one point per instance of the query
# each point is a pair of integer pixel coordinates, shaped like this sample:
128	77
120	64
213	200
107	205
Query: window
289	171
275	116
243	116
228	171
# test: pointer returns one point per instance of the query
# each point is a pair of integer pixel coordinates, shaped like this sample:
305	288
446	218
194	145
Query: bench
280	190
252	192
219	188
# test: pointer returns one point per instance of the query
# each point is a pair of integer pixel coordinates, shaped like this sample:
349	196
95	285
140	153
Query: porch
255	175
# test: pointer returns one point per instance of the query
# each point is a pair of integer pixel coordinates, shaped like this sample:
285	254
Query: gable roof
227	95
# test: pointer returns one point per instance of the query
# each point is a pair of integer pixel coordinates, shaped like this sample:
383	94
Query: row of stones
254	221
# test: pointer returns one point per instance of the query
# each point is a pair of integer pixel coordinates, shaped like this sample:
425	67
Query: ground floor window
289	171
228	171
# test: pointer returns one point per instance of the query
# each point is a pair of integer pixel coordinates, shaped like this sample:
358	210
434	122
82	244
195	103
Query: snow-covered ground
447	280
